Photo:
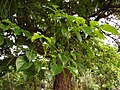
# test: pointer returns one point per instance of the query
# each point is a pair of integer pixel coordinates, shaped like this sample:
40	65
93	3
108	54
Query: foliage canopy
42	38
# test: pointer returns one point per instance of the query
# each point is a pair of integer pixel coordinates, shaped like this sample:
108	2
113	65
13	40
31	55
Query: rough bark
63	81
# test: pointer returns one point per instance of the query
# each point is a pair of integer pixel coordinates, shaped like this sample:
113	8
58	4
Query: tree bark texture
63	81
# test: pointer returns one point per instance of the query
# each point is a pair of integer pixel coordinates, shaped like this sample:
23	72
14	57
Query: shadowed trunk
63	81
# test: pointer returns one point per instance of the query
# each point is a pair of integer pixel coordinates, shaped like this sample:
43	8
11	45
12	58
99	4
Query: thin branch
114	6
106	8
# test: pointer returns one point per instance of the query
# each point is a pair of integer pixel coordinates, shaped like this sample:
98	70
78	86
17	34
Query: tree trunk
63	81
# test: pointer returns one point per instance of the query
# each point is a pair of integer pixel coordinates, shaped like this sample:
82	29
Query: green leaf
27	33
63	58
4	27
109	28
81	67
73	54
38	65
35	36
66	33
30	55
79	36
30	72
56	69
20	5
53	40
8	21
48	39
17	30
46	47
21	64
94	23
73	70
1	39
73	63
87	30
80	20
90	52
100	34
55	6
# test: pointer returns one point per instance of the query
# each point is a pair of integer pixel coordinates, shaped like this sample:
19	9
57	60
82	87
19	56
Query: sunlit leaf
48	39
87	30
35	36
94	23
53	40
100	34
79	36
8	21
55	6
109	28
80	20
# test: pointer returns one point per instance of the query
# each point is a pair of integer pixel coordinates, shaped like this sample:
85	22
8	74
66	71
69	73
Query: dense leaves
50	39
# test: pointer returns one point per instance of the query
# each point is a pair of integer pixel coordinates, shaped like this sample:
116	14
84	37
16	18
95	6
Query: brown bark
63	81
34	83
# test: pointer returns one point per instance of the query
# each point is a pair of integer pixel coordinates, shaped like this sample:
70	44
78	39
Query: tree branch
114	6
101	12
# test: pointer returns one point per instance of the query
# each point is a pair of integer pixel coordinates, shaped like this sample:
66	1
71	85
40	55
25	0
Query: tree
41	33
